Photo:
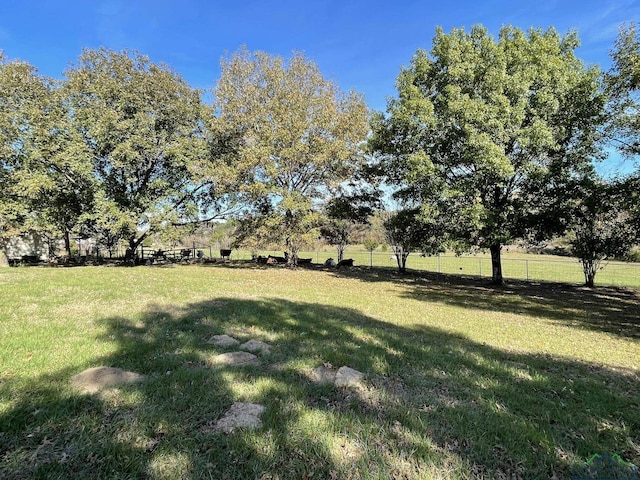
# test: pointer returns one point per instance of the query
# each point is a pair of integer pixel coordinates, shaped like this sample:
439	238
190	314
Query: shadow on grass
431	403
604	309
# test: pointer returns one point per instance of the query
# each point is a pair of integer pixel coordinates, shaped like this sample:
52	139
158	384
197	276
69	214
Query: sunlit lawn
461	380
515	265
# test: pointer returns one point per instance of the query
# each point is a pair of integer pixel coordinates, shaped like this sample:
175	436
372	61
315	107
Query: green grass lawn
515	266
462	380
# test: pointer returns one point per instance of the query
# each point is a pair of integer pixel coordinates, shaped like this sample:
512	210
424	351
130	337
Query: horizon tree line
489	141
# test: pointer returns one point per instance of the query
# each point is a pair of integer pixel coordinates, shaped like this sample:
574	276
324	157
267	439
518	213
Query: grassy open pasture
515	265
462	380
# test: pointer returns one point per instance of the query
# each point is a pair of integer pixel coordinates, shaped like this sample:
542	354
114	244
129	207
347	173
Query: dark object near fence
348	262
24	260
276	259
225	253
304	261
185	253
159	255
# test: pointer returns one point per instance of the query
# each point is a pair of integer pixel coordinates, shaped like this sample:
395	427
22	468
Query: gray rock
323	375
223	341
236	359
347	377
256	346
240	415
98	378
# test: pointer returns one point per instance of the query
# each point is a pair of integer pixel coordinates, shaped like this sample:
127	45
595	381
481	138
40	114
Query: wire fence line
534	269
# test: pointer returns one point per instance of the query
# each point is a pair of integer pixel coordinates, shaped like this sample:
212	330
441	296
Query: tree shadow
431	402
603	309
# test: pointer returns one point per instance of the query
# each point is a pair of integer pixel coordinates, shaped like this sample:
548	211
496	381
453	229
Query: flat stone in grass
223	341
98	378
348	377
235	359
323	374
256	346
240	415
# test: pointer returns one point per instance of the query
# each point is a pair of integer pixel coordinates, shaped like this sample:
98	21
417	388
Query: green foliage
370	244
296	137
20	92
346	215
407	230
623	82
143	126
601	226
487	133
46	177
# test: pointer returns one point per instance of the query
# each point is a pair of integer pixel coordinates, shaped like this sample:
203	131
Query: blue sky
359	44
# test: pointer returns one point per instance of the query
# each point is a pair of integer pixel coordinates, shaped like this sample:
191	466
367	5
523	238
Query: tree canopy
489	141
46	179
143	126
623	82
299	138
488	132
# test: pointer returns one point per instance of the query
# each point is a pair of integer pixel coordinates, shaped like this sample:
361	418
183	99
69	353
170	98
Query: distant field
461	380
515	266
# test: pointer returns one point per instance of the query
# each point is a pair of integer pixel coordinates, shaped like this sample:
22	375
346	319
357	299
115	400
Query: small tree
601	227
407	230
370	244
347	215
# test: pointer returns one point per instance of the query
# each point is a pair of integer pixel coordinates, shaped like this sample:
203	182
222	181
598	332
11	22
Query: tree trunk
67	243
134	243
589	268
340	249
401	259
405	255
292	259
496	264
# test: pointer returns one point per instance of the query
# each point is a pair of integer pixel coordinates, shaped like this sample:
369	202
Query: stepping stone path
344	377
256	346
238	358
95	379
240	415
223	341
235	359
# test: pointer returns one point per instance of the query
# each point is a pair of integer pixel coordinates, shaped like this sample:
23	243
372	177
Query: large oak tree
145	129
489	131
298	140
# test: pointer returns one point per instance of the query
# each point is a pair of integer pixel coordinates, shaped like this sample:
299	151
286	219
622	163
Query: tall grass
461	380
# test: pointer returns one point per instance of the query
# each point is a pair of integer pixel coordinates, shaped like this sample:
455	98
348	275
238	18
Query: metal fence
532	268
